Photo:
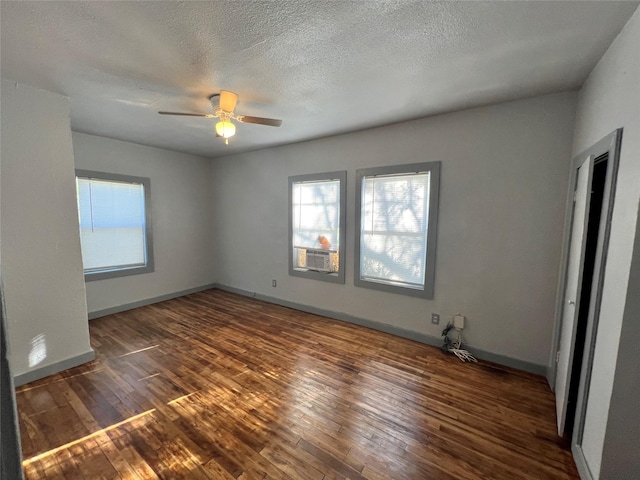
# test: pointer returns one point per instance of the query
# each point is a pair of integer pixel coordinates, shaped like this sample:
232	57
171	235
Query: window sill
120	272
333	277
402	290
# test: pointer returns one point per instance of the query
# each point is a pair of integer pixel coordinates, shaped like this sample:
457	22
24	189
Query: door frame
586	164
610	145
10	445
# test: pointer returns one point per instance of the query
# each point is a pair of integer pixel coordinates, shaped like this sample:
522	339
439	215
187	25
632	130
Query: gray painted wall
503	189
41	259
182	218
610	99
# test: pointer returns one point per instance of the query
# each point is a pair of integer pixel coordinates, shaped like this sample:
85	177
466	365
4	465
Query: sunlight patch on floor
85	438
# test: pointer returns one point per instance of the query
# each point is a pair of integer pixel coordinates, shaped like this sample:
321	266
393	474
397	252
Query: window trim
146	183
339	276
434	192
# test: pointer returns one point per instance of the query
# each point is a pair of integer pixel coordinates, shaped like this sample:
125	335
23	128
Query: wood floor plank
214	385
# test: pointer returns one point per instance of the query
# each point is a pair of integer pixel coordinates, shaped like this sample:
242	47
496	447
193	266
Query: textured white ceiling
323	67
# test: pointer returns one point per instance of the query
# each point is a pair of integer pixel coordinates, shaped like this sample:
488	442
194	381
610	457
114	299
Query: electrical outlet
435	319
458	322
274	283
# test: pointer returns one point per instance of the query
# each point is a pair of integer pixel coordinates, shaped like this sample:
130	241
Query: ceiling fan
224	104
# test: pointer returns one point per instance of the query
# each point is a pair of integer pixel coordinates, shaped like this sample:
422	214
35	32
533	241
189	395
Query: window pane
316	214
112	224
394	220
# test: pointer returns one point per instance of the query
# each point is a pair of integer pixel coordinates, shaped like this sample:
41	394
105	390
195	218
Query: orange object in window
324	243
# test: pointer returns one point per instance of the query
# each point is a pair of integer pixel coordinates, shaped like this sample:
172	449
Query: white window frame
335	277
433	168
115	271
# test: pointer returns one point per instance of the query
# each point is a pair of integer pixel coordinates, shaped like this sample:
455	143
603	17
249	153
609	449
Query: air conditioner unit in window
321	260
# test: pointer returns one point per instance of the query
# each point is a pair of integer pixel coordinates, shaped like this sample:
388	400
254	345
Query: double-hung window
115	224
317	226
396	217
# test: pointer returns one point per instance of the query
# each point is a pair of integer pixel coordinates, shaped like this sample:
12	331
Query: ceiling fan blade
206	115
272	122
228	101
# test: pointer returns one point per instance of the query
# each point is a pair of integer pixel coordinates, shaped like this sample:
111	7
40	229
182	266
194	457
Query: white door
573	283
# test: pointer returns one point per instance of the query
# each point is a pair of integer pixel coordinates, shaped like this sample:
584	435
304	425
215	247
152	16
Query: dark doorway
596	199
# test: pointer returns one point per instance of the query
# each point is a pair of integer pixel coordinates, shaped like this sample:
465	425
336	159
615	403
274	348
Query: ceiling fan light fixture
224	104
225	129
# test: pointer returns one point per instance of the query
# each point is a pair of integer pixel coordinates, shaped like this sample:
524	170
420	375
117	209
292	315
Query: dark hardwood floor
218	386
